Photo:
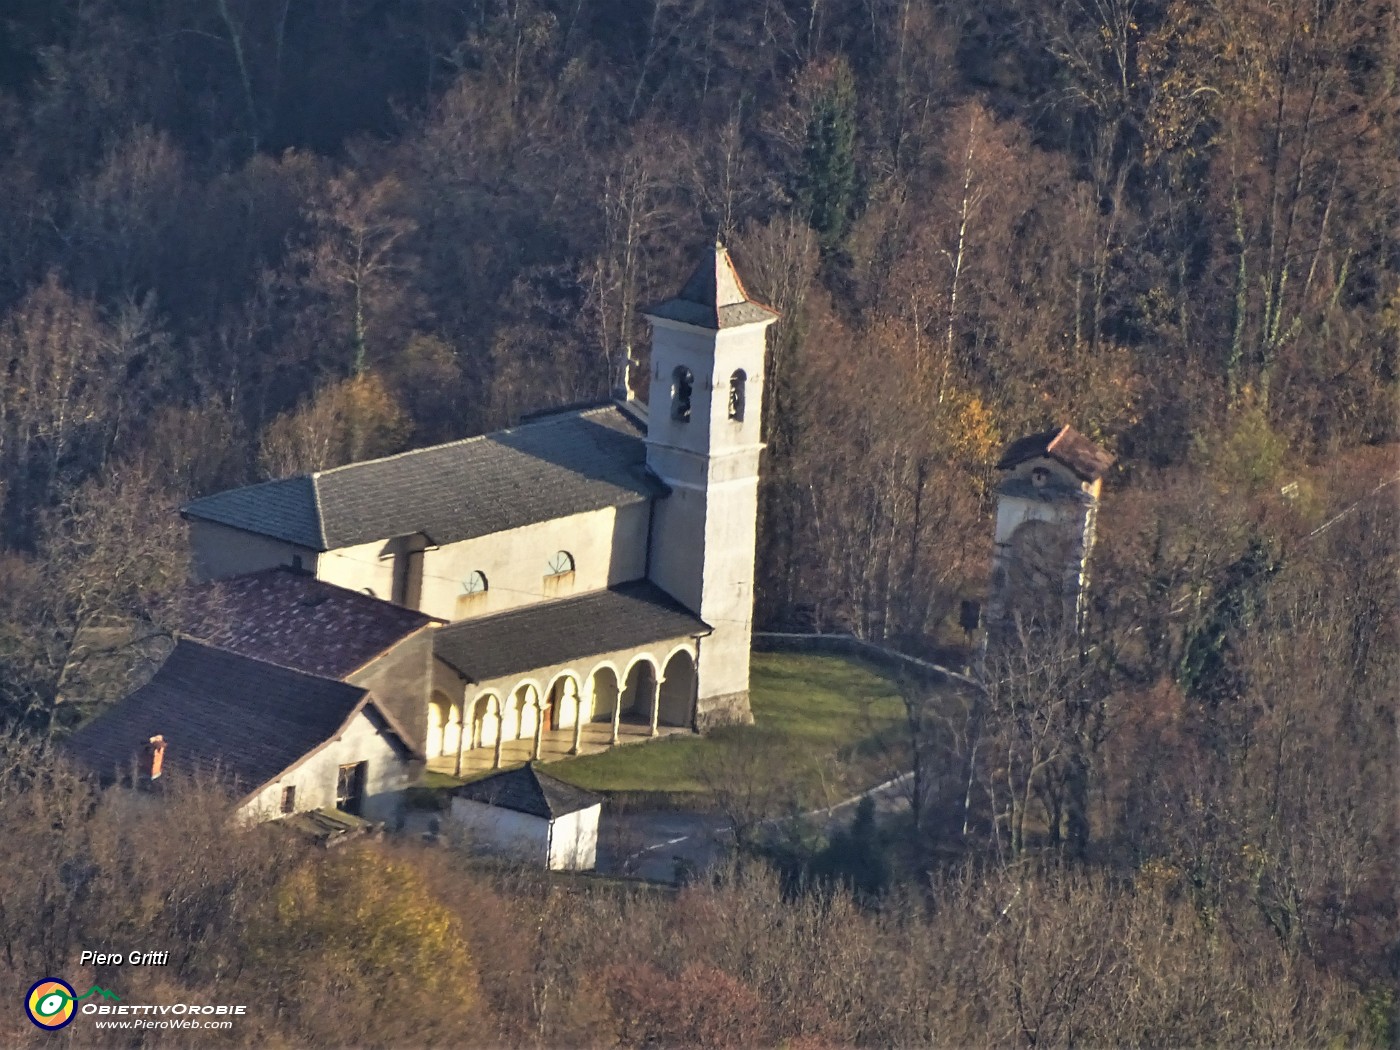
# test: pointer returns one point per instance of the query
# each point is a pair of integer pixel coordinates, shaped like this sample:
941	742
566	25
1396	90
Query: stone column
500	732
540	708
617	710
462	736
655	703
578	717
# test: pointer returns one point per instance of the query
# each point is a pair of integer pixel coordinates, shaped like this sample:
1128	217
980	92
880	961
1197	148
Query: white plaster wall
492	829
365	566
608	546
573	846
315	779
218	552
713	358
678	544
1013	512
703	552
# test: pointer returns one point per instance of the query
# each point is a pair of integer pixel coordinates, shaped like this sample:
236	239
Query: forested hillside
245	238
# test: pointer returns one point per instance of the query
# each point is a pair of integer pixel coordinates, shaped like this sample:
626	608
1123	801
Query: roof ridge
316	505
1060	435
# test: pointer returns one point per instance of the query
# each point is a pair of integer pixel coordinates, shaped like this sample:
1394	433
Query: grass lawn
826	725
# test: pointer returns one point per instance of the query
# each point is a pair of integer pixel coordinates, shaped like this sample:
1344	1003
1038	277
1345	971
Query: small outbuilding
528	815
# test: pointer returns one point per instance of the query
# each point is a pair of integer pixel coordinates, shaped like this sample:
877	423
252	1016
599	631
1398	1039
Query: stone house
282	740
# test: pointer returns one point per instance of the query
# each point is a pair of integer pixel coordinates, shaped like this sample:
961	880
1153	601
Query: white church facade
588	573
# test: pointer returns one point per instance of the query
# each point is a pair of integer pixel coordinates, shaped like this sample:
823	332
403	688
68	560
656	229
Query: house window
289	799
475	583
561	563
736	395
350	787
682	386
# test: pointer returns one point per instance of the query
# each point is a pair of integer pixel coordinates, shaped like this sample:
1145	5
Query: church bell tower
704	440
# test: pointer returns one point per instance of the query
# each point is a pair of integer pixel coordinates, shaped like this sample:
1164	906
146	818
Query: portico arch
452	726
439	710
677	699
523	717
605	692
486	720
638	685
565	695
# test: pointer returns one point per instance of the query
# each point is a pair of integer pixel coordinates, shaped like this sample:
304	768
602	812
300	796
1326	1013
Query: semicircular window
561	563
475	583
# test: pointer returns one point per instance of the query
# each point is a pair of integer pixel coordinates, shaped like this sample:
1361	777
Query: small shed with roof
530	816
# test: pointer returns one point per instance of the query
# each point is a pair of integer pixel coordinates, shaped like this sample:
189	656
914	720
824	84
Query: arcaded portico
621	663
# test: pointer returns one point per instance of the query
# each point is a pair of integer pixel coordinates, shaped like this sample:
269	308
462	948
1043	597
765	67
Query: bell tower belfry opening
704	440
1047	509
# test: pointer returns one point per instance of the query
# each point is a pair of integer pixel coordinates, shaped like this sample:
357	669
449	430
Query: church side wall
386	778
218	552
608	548
364	567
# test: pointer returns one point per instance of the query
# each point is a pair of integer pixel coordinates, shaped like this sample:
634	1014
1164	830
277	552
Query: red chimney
156	753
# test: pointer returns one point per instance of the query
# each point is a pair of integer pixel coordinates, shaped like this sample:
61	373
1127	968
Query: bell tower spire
704	440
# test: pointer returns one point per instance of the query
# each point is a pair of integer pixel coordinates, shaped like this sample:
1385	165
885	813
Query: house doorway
350	788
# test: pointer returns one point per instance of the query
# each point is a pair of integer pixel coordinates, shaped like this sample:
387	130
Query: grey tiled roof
527	790
556	466
298	621
1065	445
627	616
242	719
713	297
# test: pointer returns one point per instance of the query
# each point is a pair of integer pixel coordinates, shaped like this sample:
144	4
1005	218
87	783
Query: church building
587	573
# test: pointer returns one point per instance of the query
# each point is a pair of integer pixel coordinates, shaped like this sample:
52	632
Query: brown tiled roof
238	718
561	464
627	616
289	618
1065	445
713	297
527	790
